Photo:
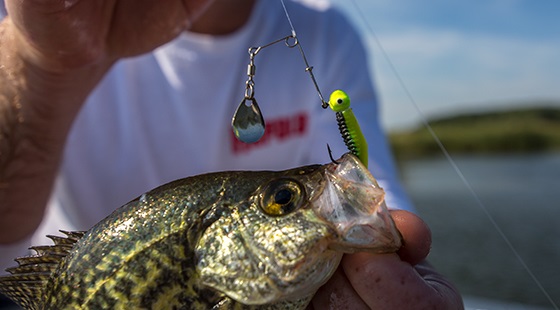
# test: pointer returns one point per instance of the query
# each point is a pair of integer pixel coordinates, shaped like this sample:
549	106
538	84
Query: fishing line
289	19
308	68
448	157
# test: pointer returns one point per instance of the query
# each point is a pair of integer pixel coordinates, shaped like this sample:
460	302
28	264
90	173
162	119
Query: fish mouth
354	205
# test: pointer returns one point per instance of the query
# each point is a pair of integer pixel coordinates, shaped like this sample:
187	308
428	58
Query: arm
51	57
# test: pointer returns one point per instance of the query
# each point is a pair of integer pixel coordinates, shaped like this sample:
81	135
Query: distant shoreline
524	130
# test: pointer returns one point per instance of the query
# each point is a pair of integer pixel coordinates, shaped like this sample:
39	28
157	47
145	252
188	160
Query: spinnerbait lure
248	124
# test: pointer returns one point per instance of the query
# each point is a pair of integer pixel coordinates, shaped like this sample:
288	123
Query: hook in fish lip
330	155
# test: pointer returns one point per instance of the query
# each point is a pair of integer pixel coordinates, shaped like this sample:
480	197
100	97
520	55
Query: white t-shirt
167	115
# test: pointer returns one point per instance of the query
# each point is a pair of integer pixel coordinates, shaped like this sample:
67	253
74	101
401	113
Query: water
522	194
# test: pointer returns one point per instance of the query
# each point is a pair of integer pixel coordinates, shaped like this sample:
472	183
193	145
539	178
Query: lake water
522	195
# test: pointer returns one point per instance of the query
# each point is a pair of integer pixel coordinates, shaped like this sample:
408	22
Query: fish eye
282	197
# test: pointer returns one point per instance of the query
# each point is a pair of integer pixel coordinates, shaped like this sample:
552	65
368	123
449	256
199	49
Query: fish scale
223	240
141	266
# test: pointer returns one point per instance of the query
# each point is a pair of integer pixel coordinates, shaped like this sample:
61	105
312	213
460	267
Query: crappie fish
226	240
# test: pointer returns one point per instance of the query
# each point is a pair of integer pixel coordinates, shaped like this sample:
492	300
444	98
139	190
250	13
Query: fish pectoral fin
26	283
227	303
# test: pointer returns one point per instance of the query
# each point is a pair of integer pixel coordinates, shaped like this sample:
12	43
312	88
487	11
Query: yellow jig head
348	125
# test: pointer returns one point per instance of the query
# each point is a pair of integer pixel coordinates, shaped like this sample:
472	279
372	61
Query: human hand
52	54
60	35
390	281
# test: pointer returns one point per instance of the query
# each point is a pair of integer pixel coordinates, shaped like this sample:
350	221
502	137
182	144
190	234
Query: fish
222	240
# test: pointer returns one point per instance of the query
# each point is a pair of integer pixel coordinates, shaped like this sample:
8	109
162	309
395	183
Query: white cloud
454	70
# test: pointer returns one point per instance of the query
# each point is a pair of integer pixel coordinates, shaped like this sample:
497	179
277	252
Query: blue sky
456	56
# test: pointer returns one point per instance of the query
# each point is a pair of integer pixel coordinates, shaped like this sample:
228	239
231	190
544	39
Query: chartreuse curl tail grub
348	125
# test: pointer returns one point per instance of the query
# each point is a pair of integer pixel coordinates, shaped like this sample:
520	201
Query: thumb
416	236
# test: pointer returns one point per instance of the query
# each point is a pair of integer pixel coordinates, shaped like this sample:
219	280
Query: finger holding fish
402	280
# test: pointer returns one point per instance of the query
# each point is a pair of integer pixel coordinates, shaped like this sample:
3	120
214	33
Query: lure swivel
247	122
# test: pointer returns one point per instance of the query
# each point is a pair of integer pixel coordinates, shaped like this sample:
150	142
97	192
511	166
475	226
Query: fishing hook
330	154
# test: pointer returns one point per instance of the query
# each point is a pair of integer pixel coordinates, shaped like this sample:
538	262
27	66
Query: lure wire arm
251	68
309	69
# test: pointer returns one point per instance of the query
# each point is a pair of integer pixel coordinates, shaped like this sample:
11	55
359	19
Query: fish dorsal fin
26	283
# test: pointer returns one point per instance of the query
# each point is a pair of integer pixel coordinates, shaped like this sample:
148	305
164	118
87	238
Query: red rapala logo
276	129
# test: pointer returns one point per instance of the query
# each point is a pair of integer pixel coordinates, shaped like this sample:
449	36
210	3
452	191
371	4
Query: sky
459	56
